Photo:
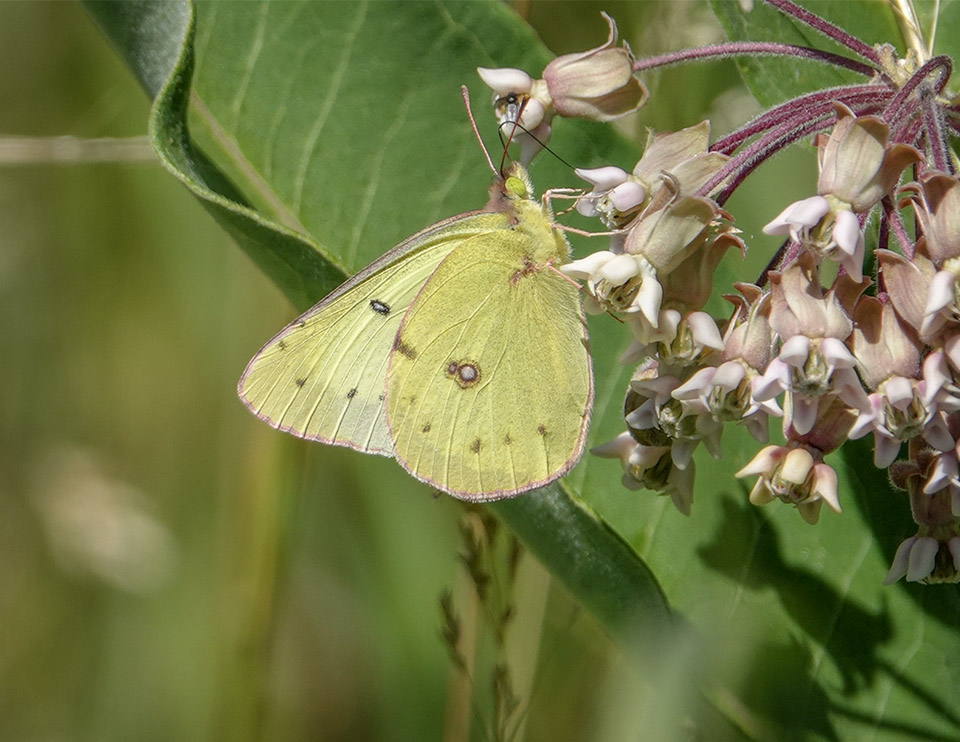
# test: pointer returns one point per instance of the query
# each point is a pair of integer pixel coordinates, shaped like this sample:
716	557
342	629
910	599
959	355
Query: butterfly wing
322	377
489	388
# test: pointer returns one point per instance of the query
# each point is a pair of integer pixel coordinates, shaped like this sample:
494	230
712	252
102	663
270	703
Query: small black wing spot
508	439
542	429
282	344
476	446
352	393
426	428
300	382
380	307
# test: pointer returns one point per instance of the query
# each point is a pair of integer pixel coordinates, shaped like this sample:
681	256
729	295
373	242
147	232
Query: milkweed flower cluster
843	335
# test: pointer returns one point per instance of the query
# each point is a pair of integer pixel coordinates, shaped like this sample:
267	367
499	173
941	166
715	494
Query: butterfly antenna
465	94
517	125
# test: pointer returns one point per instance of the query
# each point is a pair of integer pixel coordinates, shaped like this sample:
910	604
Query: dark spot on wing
465	373
379	307
380	397
282	344
426	428
403	349
300	382
352	393
529	267
507	439
476	445
541	429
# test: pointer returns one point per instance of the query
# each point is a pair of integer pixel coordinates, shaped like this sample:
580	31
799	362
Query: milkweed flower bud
598	84
858	164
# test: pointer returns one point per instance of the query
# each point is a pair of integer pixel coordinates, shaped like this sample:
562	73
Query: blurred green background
169	567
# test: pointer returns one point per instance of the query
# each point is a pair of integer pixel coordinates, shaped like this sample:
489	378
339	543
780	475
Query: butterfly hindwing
322	377
489	388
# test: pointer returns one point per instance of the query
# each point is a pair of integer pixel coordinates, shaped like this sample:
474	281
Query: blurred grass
169	568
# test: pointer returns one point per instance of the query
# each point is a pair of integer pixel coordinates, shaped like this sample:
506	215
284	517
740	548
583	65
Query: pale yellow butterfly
462	352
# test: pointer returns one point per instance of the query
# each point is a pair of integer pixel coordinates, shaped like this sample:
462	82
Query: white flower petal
763	463
954	545
836	354
588	266
923	557
795	350
506	80
683	449
805	410
619	448
602	178
531	117
825	485
696	386
938	435
729	375
619	270
885	449
773	381
900	560
899	391
846	232
705	331
796	466
944	471
805	213
940	295
648	300
627	196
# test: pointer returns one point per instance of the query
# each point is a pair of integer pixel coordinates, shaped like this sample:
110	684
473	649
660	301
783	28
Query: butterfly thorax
513	196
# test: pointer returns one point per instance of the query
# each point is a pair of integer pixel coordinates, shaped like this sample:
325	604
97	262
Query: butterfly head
516	183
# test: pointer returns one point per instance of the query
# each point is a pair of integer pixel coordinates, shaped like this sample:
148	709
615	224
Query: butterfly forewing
322	377
489	387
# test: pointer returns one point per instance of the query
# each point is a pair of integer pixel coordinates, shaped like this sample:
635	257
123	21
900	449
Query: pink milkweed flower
858	167
726	391
619	283
677	159
616	198
825	231
793	474
901	406
813	359
916	558
650	467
